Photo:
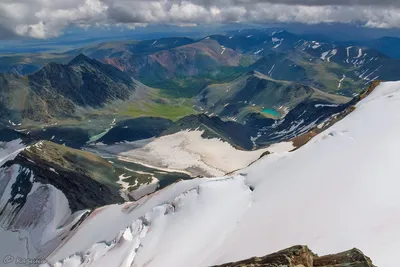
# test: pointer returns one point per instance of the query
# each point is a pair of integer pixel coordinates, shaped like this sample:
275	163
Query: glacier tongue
337	192
163	228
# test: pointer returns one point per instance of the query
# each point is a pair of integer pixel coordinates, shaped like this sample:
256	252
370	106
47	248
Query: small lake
270	112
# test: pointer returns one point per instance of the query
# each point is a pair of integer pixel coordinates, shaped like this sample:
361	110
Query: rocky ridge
302	256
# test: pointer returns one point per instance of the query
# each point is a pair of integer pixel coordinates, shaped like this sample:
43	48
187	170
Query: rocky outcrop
351	258
302	256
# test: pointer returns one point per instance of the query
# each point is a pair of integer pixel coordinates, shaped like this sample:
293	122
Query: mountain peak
79	59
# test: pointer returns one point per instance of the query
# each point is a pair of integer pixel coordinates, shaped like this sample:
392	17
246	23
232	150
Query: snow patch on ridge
360	53
324	54
328	55
271	70
340	81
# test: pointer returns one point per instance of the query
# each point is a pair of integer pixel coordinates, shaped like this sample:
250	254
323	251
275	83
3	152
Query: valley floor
188	152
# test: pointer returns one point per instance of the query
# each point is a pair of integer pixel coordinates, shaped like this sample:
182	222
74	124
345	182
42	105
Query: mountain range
123	153
57	90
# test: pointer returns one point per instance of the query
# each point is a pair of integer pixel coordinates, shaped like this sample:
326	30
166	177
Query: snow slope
34	227
337	192
10	148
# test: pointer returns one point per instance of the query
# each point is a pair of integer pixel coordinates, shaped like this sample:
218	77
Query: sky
42	19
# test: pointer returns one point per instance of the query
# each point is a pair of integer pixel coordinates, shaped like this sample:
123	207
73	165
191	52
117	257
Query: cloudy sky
48	18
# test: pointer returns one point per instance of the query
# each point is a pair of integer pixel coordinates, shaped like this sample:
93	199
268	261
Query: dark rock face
302	256
84	81
7	135
236	134
135	129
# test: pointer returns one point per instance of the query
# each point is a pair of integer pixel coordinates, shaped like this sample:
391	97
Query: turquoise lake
271	112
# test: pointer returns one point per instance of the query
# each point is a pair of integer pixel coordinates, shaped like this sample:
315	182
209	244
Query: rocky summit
302	256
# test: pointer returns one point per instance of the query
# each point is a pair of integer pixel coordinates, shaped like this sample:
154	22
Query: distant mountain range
249	88
57	90
313	60
243	82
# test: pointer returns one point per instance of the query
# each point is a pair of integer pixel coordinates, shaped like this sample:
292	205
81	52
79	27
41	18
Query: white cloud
44	18
47	18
